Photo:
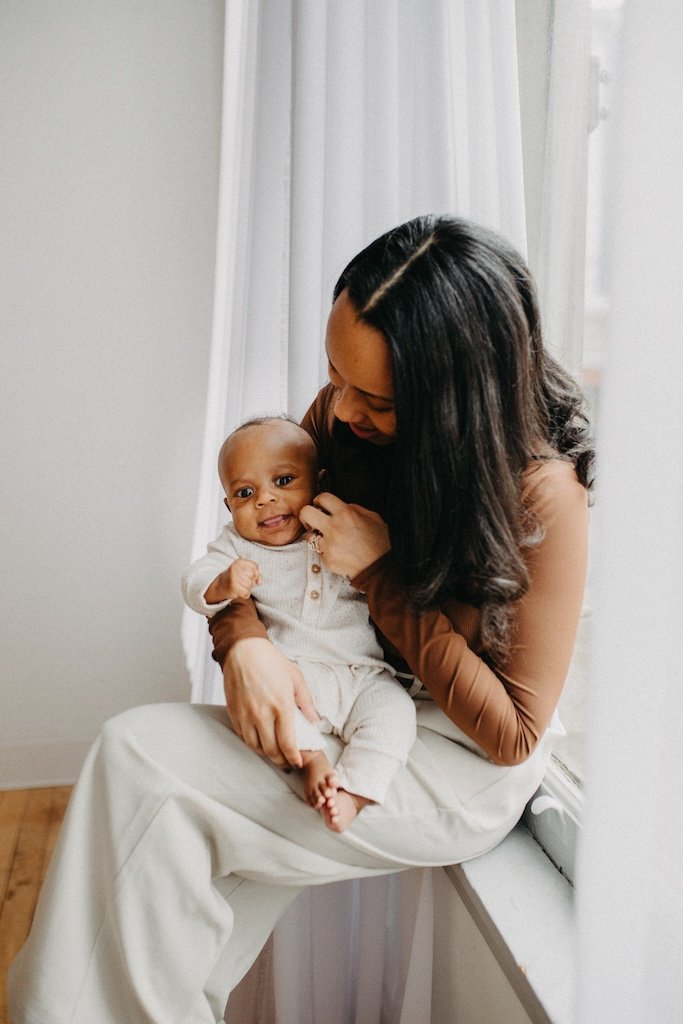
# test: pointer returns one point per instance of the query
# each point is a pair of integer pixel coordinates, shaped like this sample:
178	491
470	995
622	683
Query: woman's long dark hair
477	399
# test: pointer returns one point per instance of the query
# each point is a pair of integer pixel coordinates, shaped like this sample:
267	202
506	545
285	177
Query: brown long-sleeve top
506	710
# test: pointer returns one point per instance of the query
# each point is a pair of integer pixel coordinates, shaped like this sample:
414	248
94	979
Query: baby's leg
321	784
378	733
316	767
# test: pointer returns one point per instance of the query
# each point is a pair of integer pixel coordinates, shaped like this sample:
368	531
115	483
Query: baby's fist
242	576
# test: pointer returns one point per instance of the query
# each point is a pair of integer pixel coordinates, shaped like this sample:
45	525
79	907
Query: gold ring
315	542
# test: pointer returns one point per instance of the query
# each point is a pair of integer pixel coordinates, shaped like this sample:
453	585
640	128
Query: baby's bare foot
341	808
317	772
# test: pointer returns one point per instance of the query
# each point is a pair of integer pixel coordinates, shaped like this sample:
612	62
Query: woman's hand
351	537
262	687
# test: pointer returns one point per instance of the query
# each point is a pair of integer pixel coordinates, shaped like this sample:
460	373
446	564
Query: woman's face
360	366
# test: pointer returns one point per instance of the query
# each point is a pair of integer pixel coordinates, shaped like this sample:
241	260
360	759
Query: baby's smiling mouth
273	522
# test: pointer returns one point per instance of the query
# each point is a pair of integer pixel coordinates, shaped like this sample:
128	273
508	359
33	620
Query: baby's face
268	474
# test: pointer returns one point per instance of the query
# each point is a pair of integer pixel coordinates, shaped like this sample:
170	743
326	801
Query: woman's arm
505	712
261	712
262	686
237	621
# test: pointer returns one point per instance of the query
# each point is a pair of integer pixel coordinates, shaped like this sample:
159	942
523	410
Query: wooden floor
29	824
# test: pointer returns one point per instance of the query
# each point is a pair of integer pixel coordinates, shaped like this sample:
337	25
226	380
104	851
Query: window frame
553	815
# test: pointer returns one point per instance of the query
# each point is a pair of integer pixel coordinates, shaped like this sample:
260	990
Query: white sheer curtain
630	888
561	257
341	119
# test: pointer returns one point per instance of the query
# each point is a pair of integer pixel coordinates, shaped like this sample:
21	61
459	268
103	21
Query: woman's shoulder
549	483
319	417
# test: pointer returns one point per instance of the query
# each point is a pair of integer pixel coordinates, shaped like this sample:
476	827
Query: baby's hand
241	577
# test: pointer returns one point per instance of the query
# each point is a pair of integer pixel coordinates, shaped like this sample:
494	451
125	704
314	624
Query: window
561	792
606	17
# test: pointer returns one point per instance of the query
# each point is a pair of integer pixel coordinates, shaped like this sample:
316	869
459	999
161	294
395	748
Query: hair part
394	278
477	398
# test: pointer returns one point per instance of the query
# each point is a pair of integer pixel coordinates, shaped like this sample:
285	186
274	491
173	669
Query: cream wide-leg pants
181	848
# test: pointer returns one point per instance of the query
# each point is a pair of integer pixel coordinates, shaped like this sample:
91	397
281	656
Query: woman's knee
129	722
160	718
178	743
144	729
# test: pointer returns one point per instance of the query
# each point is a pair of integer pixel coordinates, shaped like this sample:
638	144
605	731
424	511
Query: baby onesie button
314	595
315	568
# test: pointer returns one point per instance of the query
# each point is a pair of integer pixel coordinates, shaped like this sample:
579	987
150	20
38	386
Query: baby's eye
244	492
283	480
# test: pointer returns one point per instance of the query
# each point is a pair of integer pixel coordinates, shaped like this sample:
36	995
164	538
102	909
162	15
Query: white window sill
523	907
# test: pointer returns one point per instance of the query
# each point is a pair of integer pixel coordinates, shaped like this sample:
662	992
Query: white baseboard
50	764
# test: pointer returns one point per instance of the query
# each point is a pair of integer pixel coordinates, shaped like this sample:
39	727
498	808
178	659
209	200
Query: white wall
109	120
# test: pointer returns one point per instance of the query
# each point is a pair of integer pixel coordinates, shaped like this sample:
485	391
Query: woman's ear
322	480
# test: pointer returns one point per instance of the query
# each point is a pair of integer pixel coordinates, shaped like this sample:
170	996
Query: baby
268	470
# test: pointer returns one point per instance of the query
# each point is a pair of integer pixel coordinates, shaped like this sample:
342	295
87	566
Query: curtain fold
349	952
341	120
561	259
630	894
225	389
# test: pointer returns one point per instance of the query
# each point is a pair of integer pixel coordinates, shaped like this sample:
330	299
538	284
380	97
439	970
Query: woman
459	465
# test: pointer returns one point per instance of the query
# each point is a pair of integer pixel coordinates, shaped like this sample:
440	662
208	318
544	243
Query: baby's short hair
263	421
